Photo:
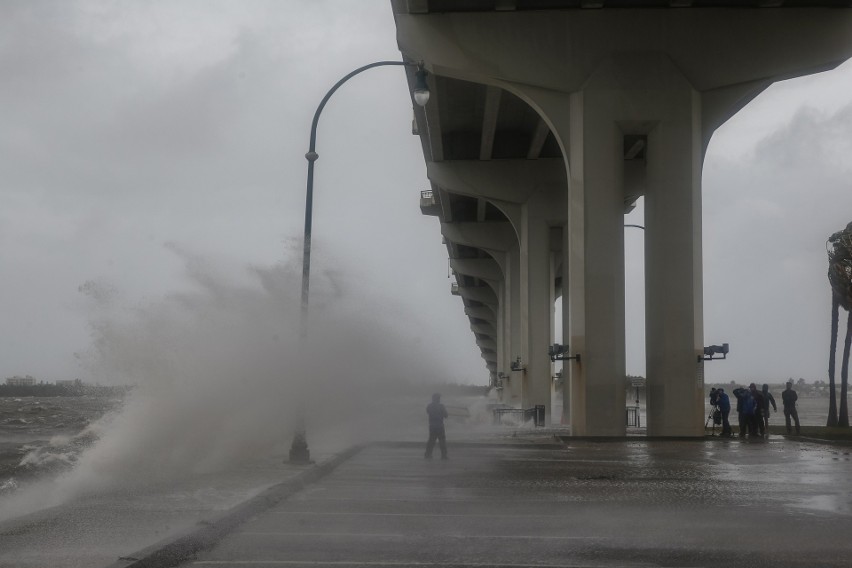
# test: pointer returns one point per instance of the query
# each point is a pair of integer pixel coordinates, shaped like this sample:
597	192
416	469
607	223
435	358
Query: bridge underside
547	120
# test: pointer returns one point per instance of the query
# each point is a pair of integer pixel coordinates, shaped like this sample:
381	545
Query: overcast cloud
132	128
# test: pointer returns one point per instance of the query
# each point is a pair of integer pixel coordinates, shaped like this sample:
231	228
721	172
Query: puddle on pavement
838	504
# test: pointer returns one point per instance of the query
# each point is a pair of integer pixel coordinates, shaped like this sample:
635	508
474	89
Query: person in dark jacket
437	412
788	399
714	396
756	423
767	400
724	404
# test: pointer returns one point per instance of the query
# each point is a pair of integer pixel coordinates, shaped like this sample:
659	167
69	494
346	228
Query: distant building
16	381
67	383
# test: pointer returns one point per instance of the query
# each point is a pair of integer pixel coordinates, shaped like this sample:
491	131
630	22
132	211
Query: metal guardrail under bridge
520	415
633	416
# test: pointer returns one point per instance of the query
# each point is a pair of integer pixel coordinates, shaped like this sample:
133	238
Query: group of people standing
753	409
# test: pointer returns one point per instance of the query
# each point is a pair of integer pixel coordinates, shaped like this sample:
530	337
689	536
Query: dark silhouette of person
714	396
437	412
724	404
788	399
767	400
756	426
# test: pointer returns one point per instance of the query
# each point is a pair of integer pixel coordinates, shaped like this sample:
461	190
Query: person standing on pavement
437	412
788	399
756	426
767	400
714	396
724	404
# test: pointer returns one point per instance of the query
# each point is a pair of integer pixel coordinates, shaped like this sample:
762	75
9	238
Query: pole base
299	453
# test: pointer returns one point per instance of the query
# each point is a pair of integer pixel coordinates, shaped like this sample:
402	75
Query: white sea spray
223	373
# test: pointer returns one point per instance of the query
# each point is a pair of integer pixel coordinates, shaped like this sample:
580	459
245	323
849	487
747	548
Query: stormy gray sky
132	128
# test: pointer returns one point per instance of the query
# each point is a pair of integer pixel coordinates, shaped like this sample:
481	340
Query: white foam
223	375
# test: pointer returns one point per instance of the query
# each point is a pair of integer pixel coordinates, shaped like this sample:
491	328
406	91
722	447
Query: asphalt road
617	503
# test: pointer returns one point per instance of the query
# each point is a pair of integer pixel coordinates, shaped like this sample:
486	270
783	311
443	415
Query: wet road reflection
614	503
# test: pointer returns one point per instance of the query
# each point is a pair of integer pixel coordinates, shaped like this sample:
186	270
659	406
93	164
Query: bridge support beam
599	79
515	384
537	297
640	95
674	313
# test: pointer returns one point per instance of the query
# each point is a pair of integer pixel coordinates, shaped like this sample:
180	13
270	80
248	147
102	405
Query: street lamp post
421	97
299	450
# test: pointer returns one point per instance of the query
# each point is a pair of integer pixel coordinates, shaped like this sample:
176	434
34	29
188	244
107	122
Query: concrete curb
633	439
521	445
178	549
824	441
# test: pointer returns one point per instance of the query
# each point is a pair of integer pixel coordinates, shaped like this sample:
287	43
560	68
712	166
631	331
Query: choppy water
44	436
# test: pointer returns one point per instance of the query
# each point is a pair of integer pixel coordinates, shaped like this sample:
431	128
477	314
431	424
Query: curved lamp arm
421	96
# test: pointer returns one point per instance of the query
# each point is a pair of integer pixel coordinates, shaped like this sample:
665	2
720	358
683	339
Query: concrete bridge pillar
514	385
531	196
595	261
537	297
674	313
573	380
586	125
501	330
630	99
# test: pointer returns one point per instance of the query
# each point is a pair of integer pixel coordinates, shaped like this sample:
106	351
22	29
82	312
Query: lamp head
421	89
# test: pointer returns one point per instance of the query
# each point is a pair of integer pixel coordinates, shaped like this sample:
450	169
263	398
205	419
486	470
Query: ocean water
45	436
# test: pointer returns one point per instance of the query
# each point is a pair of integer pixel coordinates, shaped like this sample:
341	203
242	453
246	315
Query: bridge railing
633	416
520	415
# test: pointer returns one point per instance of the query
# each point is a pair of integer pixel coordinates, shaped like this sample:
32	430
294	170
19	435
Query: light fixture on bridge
498	380
715	350
518	365
560	353
421	89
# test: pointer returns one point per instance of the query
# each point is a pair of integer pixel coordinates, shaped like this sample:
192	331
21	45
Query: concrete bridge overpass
548	119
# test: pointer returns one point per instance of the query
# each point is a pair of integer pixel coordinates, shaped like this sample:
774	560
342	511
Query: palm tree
840	278
832	397
843	414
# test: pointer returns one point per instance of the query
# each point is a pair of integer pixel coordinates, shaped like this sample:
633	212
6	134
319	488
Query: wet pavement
585	503
94	530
